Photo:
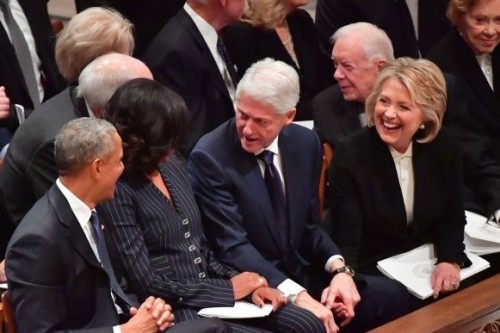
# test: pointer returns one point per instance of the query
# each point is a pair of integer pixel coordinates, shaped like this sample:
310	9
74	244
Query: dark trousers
201	326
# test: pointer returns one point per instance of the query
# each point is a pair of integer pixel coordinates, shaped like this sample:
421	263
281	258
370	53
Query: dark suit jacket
180	59
432	21
161	245
247	45
334	117
237	211
148	16
29	168
11	75
56	283
367	208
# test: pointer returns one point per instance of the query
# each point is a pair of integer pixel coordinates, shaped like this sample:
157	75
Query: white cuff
328	264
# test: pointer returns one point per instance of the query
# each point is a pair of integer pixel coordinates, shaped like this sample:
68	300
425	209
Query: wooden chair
8	319
323	178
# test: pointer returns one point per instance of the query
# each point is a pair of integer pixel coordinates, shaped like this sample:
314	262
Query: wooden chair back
8	320
323	178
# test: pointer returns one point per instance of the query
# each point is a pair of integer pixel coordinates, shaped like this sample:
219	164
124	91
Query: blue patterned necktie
275	189
122	300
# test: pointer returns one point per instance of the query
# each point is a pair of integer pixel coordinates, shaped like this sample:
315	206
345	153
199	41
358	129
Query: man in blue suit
256	225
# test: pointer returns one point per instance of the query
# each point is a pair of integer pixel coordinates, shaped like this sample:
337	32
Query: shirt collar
272	147
79	208
206	30
397	155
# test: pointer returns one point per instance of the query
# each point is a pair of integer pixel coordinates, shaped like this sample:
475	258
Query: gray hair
373	40
272	83
103	76
80	142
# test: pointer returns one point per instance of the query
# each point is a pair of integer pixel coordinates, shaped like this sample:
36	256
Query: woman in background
279	29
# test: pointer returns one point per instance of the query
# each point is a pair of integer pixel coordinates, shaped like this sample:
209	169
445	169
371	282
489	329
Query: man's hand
263	294
305	301
245	283
3	277
341	290
153	315
4	103
445	278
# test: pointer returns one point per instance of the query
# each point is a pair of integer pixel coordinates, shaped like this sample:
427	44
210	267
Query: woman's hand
263	294
445	278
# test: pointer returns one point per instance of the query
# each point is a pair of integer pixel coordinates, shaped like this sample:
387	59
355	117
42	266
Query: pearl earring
422	127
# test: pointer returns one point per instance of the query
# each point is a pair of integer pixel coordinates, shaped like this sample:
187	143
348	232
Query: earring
422	126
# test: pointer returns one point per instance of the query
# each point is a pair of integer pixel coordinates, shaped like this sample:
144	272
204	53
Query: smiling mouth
390	126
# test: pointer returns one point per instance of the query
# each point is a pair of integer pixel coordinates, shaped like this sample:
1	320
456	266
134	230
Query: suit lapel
385	171
294	186
189	25
74	231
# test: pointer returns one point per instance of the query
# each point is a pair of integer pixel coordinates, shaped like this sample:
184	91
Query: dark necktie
22	52
275	189
121	299
221	49
404	37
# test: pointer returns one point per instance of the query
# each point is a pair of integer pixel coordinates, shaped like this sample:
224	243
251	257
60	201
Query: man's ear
290	116
380	64
95	168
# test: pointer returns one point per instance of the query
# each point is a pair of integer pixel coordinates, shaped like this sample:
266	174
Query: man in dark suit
34	22
413	26
187	57
148	16
28	168
359	52
270	225
60	276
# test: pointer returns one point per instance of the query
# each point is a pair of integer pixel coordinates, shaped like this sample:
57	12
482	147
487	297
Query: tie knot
267	156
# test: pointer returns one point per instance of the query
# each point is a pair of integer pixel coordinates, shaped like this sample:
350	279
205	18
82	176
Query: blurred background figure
189	57
281	30
147	16
28	73
413	26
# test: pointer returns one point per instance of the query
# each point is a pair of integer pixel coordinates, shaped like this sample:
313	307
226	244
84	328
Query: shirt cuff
330	260
290	287
117	329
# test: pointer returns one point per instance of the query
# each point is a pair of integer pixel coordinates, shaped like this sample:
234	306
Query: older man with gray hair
60	274
29	167
256	179
359	52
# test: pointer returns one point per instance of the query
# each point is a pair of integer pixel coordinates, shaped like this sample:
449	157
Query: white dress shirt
484	61
406	178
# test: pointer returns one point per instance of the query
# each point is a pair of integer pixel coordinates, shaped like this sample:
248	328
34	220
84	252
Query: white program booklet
240	310
414	269
480	237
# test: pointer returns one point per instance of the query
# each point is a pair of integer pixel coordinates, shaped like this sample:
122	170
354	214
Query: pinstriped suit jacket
161	246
